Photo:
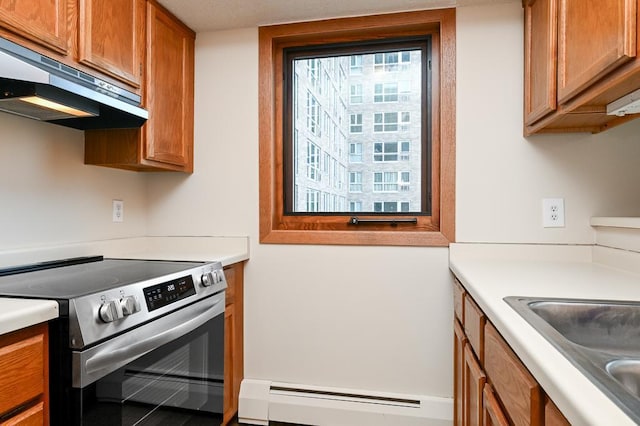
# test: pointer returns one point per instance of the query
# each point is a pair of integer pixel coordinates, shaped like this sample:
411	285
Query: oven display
166	293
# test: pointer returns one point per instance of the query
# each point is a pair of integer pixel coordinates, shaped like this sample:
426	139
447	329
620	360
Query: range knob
110	311
207	279
129	305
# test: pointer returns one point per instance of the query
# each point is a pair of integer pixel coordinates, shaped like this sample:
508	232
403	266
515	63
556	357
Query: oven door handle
108	357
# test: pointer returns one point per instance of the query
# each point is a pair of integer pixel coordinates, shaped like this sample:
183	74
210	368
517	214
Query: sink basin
600	337
603	326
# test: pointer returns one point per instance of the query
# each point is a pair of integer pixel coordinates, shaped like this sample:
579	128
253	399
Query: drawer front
21	370
34	416
518	391
474	321
458	301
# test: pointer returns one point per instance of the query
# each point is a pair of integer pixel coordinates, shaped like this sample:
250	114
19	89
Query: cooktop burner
68	282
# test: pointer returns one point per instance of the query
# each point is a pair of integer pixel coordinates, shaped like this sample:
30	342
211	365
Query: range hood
38	87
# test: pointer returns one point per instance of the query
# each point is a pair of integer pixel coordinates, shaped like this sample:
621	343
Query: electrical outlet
118	211
553	212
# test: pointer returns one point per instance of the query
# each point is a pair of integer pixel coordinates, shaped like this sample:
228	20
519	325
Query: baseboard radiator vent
263	400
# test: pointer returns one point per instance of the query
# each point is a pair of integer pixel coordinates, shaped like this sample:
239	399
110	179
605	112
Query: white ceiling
214	15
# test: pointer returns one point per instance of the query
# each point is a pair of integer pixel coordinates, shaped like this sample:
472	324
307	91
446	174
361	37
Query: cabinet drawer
21	369
458	300
517	390
34	416
474	321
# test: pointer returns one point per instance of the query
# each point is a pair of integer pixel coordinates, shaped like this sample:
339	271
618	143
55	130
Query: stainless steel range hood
35	86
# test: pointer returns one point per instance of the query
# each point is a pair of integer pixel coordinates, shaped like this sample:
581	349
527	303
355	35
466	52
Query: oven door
169	371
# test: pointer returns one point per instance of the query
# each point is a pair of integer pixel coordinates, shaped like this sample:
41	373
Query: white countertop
20	313
491	272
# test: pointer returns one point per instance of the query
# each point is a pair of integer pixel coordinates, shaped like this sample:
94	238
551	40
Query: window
355	153
313	161
385	151
356	94
385	92
391	206
356	64
405	147
356	123
313	114
355	181
385	122
389	47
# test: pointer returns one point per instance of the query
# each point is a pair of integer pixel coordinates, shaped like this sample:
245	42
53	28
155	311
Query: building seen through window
356	130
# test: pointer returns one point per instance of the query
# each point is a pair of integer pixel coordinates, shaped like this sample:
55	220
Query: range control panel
169	292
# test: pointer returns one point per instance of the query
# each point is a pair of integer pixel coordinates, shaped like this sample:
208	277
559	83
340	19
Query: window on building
356	64
385	151
385	122
355	152
356	94
385	92
405	147
390	206
399	59
355	182
313	161
356	123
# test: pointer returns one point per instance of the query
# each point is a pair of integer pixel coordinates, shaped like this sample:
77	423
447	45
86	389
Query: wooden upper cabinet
111	38
540	62
594	38
165	141
169	97
43	22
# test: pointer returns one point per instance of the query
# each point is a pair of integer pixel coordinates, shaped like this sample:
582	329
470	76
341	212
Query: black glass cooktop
68	282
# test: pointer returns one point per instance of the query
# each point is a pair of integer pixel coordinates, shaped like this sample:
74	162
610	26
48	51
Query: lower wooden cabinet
492	414
494	388
234	351
473	384
24	376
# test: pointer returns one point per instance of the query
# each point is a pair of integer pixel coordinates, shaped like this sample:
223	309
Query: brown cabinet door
492	412
169	98
594	38
459	341
540	59
43	22
474	380
111	38
553	416
519	393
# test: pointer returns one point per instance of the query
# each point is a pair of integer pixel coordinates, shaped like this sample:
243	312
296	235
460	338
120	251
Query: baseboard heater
261	401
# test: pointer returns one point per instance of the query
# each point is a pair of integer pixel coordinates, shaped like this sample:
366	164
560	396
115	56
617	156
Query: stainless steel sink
600	337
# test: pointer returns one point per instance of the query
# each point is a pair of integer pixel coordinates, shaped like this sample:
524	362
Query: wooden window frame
438	229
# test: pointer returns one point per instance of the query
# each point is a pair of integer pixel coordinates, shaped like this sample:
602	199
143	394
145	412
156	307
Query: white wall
47	194
501	176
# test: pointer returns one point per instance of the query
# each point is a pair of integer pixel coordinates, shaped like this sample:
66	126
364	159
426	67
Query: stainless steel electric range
137	341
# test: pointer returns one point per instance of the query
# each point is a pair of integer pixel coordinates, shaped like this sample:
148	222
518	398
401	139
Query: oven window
176	384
